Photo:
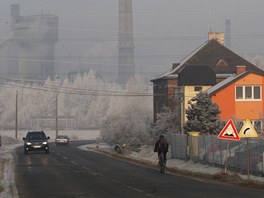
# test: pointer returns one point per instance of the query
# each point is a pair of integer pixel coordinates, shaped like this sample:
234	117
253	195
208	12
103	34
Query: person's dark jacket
161	146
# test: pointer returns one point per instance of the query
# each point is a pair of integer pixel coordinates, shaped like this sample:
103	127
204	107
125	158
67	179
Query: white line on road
92	171
135	189
139	190
73	162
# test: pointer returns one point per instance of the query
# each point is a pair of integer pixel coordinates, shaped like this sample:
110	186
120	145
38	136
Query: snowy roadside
7	177
147	157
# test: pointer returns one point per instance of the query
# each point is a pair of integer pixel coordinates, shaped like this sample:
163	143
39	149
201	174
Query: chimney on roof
217	36
240	69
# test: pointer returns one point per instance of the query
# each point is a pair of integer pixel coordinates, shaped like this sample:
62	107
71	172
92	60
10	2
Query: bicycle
162	163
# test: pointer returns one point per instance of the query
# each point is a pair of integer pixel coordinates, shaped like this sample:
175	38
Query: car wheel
47	151
25	151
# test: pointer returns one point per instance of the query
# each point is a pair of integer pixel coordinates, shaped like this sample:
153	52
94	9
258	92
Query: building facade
240	97
170	93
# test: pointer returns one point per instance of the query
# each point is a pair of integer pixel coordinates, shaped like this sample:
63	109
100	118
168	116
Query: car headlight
45	143
28	143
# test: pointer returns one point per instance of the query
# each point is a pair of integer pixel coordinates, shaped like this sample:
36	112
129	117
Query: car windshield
62	137
35	136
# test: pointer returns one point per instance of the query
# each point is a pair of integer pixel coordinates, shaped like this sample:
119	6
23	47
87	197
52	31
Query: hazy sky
164	30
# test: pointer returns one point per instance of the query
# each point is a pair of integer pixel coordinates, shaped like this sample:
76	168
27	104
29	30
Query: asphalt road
69	172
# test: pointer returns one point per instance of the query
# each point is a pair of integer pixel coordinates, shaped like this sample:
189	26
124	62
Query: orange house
240	97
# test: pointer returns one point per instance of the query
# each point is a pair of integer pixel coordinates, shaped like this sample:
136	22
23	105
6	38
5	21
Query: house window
239	92
248	92
197	89
257	92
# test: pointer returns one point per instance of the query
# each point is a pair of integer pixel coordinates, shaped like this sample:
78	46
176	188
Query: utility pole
16	112
56	114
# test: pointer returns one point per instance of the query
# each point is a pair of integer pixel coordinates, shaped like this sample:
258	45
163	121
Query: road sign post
229	132
248	131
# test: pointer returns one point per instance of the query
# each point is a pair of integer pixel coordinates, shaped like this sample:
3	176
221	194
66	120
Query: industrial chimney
126	44
14	13
228	33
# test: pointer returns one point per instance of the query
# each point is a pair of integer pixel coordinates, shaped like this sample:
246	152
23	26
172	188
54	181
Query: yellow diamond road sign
248	130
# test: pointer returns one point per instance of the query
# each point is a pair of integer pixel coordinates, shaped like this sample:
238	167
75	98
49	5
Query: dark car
62	139
36	141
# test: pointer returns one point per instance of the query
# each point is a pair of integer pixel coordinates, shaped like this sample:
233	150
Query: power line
72	90
167	37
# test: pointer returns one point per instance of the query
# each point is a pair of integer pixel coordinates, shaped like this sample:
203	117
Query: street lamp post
56	108
182	109
179	99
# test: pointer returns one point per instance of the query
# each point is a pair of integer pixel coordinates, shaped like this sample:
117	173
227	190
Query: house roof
197	75
221	85
215	55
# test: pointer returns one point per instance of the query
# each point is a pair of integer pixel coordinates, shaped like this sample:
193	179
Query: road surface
69	172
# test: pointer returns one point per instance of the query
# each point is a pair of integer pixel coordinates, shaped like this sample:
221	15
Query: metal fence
246	155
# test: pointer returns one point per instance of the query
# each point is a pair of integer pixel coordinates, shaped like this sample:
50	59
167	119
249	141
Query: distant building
29	51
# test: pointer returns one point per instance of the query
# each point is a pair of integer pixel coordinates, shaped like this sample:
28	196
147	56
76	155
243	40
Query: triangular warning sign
229	132
248	130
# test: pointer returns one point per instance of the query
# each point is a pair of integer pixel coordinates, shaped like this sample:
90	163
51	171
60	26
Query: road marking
135	189
97	173
73	162
64	157
139	190
86	167
149	195
92	171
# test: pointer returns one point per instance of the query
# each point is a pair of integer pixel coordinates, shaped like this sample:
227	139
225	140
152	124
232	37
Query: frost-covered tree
87	99
8	110
128	117
203	115
167	123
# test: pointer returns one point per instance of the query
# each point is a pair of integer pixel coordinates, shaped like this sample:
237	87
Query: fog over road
70	172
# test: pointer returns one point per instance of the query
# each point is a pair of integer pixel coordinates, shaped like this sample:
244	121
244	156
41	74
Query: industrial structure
228	33
126	45
28	53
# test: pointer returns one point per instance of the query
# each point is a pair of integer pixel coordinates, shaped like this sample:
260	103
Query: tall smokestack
228	33
126	44
14	13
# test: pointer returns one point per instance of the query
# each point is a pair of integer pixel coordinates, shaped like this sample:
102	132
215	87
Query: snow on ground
7	177
146	155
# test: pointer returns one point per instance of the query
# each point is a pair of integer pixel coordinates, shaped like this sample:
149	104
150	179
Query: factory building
28	52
